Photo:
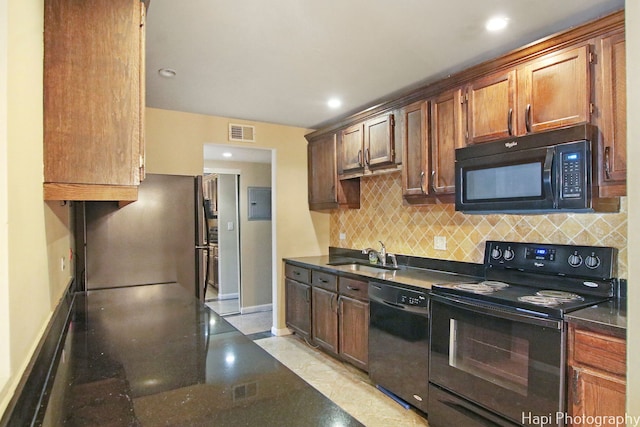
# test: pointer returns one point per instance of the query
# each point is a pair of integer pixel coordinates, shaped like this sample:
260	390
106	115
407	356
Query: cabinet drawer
300	274
354	288
324	280
603	352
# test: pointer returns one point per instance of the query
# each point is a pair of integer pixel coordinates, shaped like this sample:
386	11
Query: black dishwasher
399	342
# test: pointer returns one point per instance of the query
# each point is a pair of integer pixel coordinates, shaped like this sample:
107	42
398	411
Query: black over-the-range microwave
544	172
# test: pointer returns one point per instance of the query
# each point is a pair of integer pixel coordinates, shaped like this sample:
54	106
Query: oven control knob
592	261
496	253
575	260
509	254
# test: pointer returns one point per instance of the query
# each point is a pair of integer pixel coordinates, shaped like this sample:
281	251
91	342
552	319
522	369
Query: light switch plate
229	225
440	243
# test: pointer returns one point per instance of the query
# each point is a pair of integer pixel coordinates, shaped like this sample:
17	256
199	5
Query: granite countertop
609	317
422	278
154	355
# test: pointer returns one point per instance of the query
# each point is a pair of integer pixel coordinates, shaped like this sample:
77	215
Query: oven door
508	363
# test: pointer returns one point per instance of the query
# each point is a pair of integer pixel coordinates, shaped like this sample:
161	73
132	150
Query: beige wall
255	237
633	154
38	232
175	146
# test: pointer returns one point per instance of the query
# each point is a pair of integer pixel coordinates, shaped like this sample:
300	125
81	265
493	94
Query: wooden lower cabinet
298	307
596	376
330	310
354	331
324	319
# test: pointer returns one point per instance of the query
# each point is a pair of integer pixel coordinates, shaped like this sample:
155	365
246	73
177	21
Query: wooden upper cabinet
352	149
491	107
367	146
612	159
325	190
555	91
379	141
415	142
447	134
93	99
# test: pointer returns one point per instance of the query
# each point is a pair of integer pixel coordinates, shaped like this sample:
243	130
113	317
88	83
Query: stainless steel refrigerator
160	238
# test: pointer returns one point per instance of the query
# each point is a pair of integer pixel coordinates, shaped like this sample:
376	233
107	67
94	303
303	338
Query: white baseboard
256	308
228	296
280	332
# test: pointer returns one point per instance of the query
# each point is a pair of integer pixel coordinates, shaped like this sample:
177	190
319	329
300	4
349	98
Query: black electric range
541	279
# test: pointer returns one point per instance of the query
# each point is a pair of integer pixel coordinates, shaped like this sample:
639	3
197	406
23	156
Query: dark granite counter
609	317
154	355
412	271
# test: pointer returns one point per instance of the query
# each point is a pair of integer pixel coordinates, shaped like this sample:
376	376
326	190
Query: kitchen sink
361	267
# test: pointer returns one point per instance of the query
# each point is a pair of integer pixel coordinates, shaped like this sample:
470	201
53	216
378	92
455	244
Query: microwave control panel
572	174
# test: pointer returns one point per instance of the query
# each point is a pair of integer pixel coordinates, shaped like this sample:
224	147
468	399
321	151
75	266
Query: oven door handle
502	313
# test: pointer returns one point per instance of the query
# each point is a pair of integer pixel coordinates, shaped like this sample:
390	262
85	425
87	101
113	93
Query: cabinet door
613	109
379	141
93	120
415	167
555	91
323	174
325	319
491	106
354	331
593	394
352	144
446	136
298	307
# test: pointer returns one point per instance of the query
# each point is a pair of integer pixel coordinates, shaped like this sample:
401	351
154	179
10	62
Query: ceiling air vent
242	133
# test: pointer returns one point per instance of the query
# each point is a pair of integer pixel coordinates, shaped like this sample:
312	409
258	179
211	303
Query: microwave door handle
547	176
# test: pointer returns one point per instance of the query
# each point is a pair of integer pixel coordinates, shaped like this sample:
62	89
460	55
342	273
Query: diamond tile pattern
409	230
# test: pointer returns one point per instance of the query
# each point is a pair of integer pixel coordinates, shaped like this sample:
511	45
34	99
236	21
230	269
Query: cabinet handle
576	379
367	158
323	281
510	121
296	273
351	288
307	295
422	181
360	157
607	170
527	118
433	181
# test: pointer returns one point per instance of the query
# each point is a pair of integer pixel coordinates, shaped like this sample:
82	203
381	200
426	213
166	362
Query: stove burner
540	300
560	295
486	287
550	298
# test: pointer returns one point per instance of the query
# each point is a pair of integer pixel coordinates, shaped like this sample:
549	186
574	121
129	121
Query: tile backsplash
410	230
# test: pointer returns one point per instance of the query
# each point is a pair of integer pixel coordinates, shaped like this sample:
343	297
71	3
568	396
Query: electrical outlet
440	243
62	264
229	225
343	236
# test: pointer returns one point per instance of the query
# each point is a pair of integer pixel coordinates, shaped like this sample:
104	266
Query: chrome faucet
382	254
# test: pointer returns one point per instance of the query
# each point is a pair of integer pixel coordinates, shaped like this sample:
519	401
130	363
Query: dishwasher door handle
392	304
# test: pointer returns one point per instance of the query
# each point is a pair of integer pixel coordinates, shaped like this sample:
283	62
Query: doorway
223	281
252	168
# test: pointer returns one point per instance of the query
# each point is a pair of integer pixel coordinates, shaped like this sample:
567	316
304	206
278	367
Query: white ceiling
279	61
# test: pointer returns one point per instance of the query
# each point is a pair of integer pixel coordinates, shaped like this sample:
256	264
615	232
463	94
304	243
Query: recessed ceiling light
227	154
334	103
167	72
496	23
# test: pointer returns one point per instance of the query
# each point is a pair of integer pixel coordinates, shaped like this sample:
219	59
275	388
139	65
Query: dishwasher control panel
413	299
395	295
